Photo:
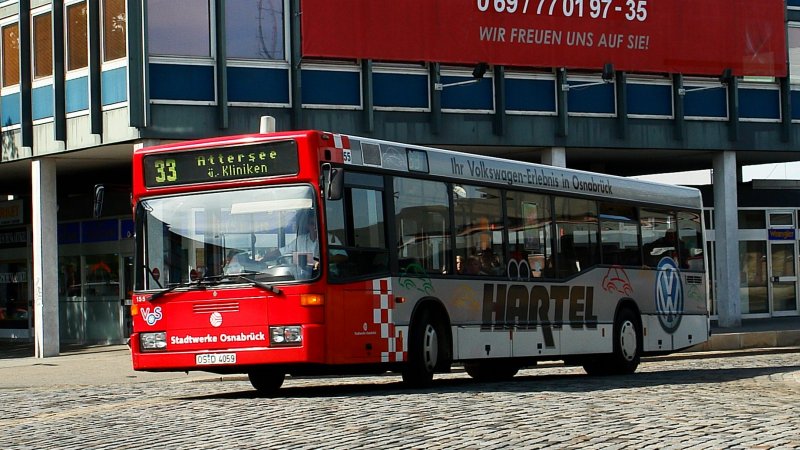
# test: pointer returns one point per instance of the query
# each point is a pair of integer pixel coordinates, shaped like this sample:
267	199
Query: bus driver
306	242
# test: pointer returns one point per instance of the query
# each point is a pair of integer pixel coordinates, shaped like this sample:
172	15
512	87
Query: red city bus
312	253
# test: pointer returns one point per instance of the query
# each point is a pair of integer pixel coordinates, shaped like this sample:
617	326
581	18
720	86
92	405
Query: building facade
84	82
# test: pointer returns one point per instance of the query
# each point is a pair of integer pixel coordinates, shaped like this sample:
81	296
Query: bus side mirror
333	182
99	193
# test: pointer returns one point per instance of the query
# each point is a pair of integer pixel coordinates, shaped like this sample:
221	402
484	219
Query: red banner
702	37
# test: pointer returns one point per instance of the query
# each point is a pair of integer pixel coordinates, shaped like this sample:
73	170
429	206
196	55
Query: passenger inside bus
472	266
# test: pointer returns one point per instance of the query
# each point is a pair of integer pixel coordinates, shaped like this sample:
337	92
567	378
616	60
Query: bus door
783	263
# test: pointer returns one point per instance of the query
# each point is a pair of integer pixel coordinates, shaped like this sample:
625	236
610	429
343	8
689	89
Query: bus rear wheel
627	348
266	382
424	342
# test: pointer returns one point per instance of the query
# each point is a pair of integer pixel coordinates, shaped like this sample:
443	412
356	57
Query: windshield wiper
265	286
158	294
201	283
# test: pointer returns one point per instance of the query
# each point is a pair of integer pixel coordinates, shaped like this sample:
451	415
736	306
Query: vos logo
669	295
151	317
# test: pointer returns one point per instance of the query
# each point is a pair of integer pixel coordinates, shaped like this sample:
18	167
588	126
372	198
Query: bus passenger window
578	230
479	230
530	233
659	236
619	235
422	221
690	233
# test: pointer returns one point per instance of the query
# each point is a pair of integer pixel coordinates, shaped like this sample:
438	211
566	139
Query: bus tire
627	347
424	350
266	382
487	371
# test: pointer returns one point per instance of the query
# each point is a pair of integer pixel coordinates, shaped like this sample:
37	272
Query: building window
114	46
11	55
793	34
178	28
77	37
254	29
42	46
752	220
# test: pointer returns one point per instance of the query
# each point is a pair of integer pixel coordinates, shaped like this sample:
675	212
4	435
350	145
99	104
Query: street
736	401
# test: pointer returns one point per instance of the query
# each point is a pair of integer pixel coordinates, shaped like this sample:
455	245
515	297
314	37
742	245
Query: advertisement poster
696	37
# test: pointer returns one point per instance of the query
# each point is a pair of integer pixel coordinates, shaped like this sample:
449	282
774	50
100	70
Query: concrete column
555	156
45	257
726	233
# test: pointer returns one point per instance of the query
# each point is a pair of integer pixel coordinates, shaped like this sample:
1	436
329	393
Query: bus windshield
265	234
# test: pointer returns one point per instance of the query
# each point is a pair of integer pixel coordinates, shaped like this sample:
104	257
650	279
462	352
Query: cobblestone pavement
740	402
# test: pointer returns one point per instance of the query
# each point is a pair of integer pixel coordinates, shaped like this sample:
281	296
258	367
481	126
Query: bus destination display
221	164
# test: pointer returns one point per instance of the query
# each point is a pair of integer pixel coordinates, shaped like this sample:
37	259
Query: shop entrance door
783	263
102	293
90	297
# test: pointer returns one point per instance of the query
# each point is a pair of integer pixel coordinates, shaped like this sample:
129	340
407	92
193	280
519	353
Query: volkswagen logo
669	295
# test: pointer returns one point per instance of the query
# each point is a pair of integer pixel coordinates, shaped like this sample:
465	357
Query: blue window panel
100	230
530	95
649	99
400	90
69	233
596	99
114	86
127	228
706	103
258	85
181	82
759	104
795	99
468	96
793	3
42	102
10	109
77	92
328	87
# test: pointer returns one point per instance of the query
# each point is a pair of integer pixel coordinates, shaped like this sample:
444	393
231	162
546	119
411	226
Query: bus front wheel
266	382
627	348
424	342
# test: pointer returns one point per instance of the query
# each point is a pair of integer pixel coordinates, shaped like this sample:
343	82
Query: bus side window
659	236
356	230
530	233
578	229
422	222
479	230
690	233
619	234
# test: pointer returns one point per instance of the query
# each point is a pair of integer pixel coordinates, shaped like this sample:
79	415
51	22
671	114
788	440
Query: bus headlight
291	335
153	341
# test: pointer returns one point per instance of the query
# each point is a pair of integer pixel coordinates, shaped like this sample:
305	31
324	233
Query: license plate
208	359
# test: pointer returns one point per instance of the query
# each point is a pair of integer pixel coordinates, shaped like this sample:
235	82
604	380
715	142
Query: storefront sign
14	238
13	277
676	36
781	234
11	212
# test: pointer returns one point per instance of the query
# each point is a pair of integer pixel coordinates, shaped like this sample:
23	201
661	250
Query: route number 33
165	170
